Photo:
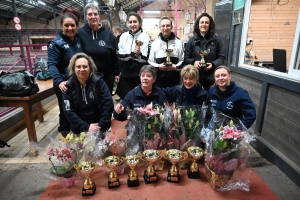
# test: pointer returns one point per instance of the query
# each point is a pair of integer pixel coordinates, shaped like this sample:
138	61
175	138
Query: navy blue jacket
136	98
60	51
235	102
90	104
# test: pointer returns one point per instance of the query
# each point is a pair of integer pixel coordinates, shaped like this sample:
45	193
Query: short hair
223	67
106	24
165	17
148	68
190	70
117	28
92	6
135	15
91	63
69	13
211	29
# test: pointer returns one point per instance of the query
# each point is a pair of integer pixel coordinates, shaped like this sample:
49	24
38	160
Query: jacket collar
171	37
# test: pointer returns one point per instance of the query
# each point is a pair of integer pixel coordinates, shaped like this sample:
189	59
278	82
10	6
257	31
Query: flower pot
69	181
217	180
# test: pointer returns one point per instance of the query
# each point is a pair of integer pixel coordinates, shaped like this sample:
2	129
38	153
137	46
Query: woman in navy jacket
60	51
230	99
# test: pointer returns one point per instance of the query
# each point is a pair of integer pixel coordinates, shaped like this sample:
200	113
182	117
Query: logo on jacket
229	105
91	95
101	43
67	105
78	45
66	46
50	45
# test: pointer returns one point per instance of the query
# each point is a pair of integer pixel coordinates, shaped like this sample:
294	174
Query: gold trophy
195	153
150	156
132	161
202	53
112	162
168	62
135	55
86	168
175	156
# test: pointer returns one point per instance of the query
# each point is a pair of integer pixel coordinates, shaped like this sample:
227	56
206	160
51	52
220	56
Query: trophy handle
141	156
75	166
185	156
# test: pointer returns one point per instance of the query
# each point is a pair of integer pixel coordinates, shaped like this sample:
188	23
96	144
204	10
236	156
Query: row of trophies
168	62
150	156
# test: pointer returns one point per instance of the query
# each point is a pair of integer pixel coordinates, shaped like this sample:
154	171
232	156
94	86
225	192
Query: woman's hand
62	86
137	49
197	64
94	128
117	79
208	66
119	108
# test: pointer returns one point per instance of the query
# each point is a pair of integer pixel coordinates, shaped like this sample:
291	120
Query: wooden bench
46	90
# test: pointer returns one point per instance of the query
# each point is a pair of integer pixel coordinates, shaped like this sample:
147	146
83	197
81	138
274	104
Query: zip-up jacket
234	102
136	98
60	51
131	67
89	103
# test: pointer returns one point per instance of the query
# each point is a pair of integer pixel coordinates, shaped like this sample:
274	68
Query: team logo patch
78	45
101	43
229	105
66	46
67	105
91	95
50	45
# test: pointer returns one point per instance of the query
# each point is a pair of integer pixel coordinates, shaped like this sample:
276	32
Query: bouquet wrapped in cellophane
226	161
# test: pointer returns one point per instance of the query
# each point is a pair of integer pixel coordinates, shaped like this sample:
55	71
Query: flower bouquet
227	152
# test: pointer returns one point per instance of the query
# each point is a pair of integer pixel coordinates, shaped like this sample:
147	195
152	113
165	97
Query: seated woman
87	103
144	94
190	92
230	99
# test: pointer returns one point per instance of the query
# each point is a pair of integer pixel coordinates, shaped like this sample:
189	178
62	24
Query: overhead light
42	3
151	11
109	3
95	3
122	15
187	16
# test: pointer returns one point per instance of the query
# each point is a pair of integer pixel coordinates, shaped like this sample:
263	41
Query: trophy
202	53
168	62
112	162
135	55
86	168
195	153
150	156
132	161
174	156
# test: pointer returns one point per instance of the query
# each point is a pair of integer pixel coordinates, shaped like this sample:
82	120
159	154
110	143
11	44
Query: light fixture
110	3
42	3
151	11
122	15
187	16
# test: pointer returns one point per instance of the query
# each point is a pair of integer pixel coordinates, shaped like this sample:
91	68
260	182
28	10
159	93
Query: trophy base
193	175
114	184
150	179
133	183
173	178
89	192
168	64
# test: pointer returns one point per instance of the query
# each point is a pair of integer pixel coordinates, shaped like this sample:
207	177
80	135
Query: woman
205	39
133	51
230	99
142	95
190	92
60	51
88	104
100	44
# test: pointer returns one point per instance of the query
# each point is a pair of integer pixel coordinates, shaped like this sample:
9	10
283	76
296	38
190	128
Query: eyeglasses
84	67
91	14
166	26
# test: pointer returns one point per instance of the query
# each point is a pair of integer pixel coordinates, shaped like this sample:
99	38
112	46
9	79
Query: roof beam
44	7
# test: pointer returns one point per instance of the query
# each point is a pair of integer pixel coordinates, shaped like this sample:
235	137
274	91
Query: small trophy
135	55
174	156
168	59
86	168
112	162
202	53
132	161
195	153
150	156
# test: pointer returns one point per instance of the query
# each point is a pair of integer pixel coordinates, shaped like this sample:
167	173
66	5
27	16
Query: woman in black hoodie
100	44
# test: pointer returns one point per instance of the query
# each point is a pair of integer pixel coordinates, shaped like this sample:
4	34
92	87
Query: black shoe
118	100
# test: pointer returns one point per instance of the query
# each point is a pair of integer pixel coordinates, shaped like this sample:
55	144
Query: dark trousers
109	79
167	79
64	124
125	85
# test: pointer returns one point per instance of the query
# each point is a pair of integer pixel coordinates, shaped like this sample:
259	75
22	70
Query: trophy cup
202	53
112	162
195	153
174	156
150	156
168	62
132	161
135	55
86	168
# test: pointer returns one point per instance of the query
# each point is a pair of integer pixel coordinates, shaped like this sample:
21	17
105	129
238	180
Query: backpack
41	71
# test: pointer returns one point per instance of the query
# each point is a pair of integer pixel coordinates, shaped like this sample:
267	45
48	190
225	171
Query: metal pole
54	18
19	32
84	4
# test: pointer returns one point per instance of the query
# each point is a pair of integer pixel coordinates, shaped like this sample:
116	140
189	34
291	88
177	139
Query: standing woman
134	56
205	39
230	99
100	44
60	51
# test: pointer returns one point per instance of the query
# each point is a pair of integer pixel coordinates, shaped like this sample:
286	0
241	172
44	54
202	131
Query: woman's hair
223	67
69	13
190	70
211	30
91	63
135	15
117	28
106	24
148	68
92	6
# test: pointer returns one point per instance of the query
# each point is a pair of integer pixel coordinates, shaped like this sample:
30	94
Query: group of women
84	65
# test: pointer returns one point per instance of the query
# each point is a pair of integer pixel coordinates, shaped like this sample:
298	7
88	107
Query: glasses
91	14
84	67
166	26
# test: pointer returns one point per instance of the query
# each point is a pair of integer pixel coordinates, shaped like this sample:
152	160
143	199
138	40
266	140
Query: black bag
18	84
41	71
